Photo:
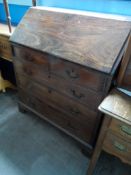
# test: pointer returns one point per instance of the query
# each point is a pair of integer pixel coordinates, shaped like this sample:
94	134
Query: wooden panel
32	56
5	47
121	129
126	82
72	73
118	147
78	75
118	105
83	131
85	96
63	103
124	76
90	41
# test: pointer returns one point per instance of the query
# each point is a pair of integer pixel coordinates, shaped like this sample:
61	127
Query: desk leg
98	146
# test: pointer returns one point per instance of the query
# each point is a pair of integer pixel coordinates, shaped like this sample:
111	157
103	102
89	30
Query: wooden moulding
124	76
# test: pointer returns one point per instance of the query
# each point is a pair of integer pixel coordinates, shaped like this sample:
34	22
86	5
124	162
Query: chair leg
99	144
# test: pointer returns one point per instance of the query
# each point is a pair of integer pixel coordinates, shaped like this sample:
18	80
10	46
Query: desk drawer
70	107
85	96
118	147
31	57
73	73
121	128
81	131
78	74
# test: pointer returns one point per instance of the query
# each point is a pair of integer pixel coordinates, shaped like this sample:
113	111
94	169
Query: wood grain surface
118	105
89	41
124	76
44	66
5	48
84	131
118	147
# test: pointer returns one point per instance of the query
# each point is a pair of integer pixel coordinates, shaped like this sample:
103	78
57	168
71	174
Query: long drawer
63	103
117	146
121	128
85	96
83	131
31	56
72	72
77	74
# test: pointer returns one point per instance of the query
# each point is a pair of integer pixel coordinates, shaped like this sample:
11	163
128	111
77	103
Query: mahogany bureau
65	62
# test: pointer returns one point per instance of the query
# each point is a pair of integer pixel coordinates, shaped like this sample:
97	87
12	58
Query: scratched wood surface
89	41
118	105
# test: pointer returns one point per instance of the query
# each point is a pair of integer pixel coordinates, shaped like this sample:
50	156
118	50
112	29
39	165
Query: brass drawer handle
29	57
50	90
72	74
75	111
75	94
126	129
71	126
28	71
120	147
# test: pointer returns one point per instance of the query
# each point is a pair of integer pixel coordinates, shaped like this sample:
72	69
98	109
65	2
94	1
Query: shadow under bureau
65	63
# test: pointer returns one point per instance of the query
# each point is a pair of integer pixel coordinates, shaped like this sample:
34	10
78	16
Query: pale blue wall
19	7
19	2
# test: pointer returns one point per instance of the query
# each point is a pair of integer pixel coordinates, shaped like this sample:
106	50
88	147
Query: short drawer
121	128
83	132
31	56
70	107
118	147
33	71
85	96
78	74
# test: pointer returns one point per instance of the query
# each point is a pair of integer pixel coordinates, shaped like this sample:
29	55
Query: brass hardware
74	110
29	57
72	74
120	147
79	96
50	90
126	129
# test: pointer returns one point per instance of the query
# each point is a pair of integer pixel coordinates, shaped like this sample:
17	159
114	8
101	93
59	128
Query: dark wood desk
65	63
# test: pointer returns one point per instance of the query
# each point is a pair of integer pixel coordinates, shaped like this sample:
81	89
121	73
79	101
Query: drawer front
31	70
32	57
88	97
77	74
121	128
82	131
5	47
62	103
73	73
118	147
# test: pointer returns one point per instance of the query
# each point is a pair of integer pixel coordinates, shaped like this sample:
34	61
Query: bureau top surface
94	42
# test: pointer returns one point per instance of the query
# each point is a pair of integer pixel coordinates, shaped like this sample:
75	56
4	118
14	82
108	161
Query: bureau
65	62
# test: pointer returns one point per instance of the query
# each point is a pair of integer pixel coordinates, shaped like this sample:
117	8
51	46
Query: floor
30	146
